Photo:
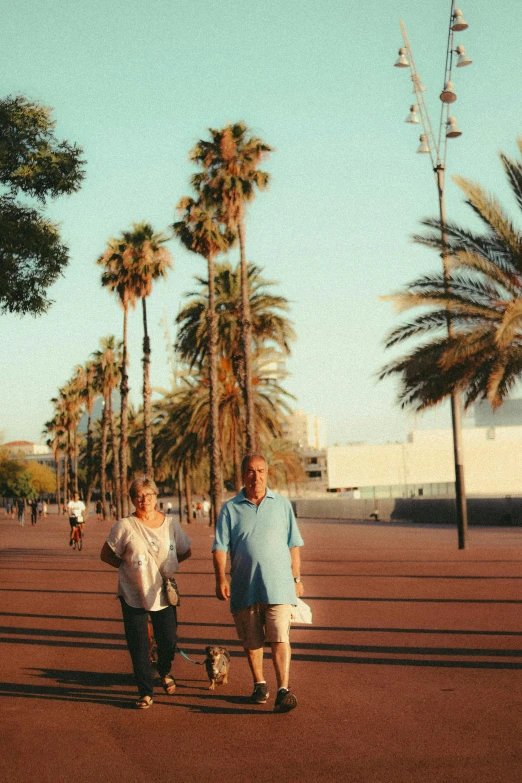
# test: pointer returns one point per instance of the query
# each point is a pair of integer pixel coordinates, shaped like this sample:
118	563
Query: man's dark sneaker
285	700
260	694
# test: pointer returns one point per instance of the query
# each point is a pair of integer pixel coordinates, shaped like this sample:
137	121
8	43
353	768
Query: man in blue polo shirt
258	529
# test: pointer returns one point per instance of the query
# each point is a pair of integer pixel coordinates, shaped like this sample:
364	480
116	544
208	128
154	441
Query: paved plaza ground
411	672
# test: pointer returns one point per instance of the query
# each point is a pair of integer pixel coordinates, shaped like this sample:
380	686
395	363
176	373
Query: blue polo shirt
259	539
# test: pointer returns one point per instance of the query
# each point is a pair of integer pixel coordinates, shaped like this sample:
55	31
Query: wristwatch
297	580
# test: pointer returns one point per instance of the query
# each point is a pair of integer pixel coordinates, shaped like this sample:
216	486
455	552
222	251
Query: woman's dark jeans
165	625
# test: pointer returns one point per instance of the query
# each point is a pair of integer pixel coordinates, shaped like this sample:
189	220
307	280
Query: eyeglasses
148	496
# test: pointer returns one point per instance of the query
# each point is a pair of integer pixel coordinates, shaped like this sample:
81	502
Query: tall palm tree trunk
75	459
57	458
216	479
147	432
88	455
66	471
237	457
124	415
246	342
188	493
115	462
103	461
180	494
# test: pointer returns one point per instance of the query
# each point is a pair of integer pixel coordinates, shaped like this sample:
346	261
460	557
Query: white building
23	448
28	451
424	466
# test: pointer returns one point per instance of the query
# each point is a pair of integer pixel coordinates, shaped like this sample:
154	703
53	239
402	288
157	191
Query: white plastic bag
301	613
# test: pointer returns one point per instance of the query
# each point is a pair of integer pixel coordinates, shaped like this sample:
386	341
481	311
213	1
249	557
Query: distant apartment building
308	432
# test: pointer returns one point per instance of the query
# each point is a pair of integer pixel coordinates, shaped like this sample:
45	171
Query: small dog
217	664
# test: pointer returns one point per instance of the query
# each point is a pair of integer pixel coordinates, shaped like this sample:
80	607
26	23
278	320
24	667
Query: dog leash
184	654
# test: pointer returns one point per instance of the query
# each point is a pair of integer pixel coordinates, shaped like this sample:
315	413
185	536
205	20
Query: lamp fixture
463	58
424	147
458	22
402	60
448	93
413	117
452	131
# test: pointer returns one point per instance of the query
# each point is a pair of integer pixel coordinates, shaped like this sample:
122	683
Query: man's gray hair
142	482
248	457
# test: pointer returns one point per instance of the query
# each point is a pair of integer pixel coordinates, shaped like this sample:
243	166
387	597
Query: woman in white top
138	546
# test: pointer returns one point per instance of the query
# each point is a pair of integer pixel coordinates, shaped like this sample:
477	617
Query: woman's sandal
144	702
169	684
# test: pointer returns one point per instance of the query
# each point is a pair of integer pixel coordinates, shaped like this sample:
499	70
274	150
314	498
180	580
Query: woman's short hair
142	482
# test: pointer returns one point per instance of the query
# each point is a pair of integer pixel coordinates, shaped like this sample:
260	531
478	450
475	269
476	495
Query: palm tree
269	323
67	406
482	296
83	383
200	232
56	442
269	326
285	466
118	279
179	446
132	262
227	182
184	416
107	362
149	260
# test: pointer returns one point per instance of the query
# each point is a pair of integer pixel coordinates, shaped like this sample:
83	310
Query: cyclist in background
75	507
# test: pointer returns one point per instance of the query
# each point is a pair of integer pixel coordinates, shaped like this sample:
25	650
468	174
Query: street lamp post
436	147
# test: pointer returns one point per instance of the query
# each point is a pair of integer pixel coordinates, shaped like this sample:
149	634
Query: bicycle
77	539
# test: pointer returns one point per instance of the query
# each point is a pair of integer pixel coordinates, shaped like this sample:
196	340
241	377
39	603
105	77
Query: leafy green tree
481	357
33	163
43	480
227	182
15	479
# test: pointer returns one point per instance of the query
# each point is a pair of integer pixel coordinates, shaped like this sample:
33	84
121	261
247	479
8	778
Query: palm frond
510	325
424	324
490	212
490	269
514	174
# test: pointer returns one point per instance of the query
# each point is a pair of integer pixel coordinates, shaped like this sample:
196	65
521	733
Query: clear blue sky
136	85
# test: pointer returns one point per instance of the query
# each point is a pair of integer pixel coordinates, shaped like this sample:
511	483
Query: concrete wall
481	511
